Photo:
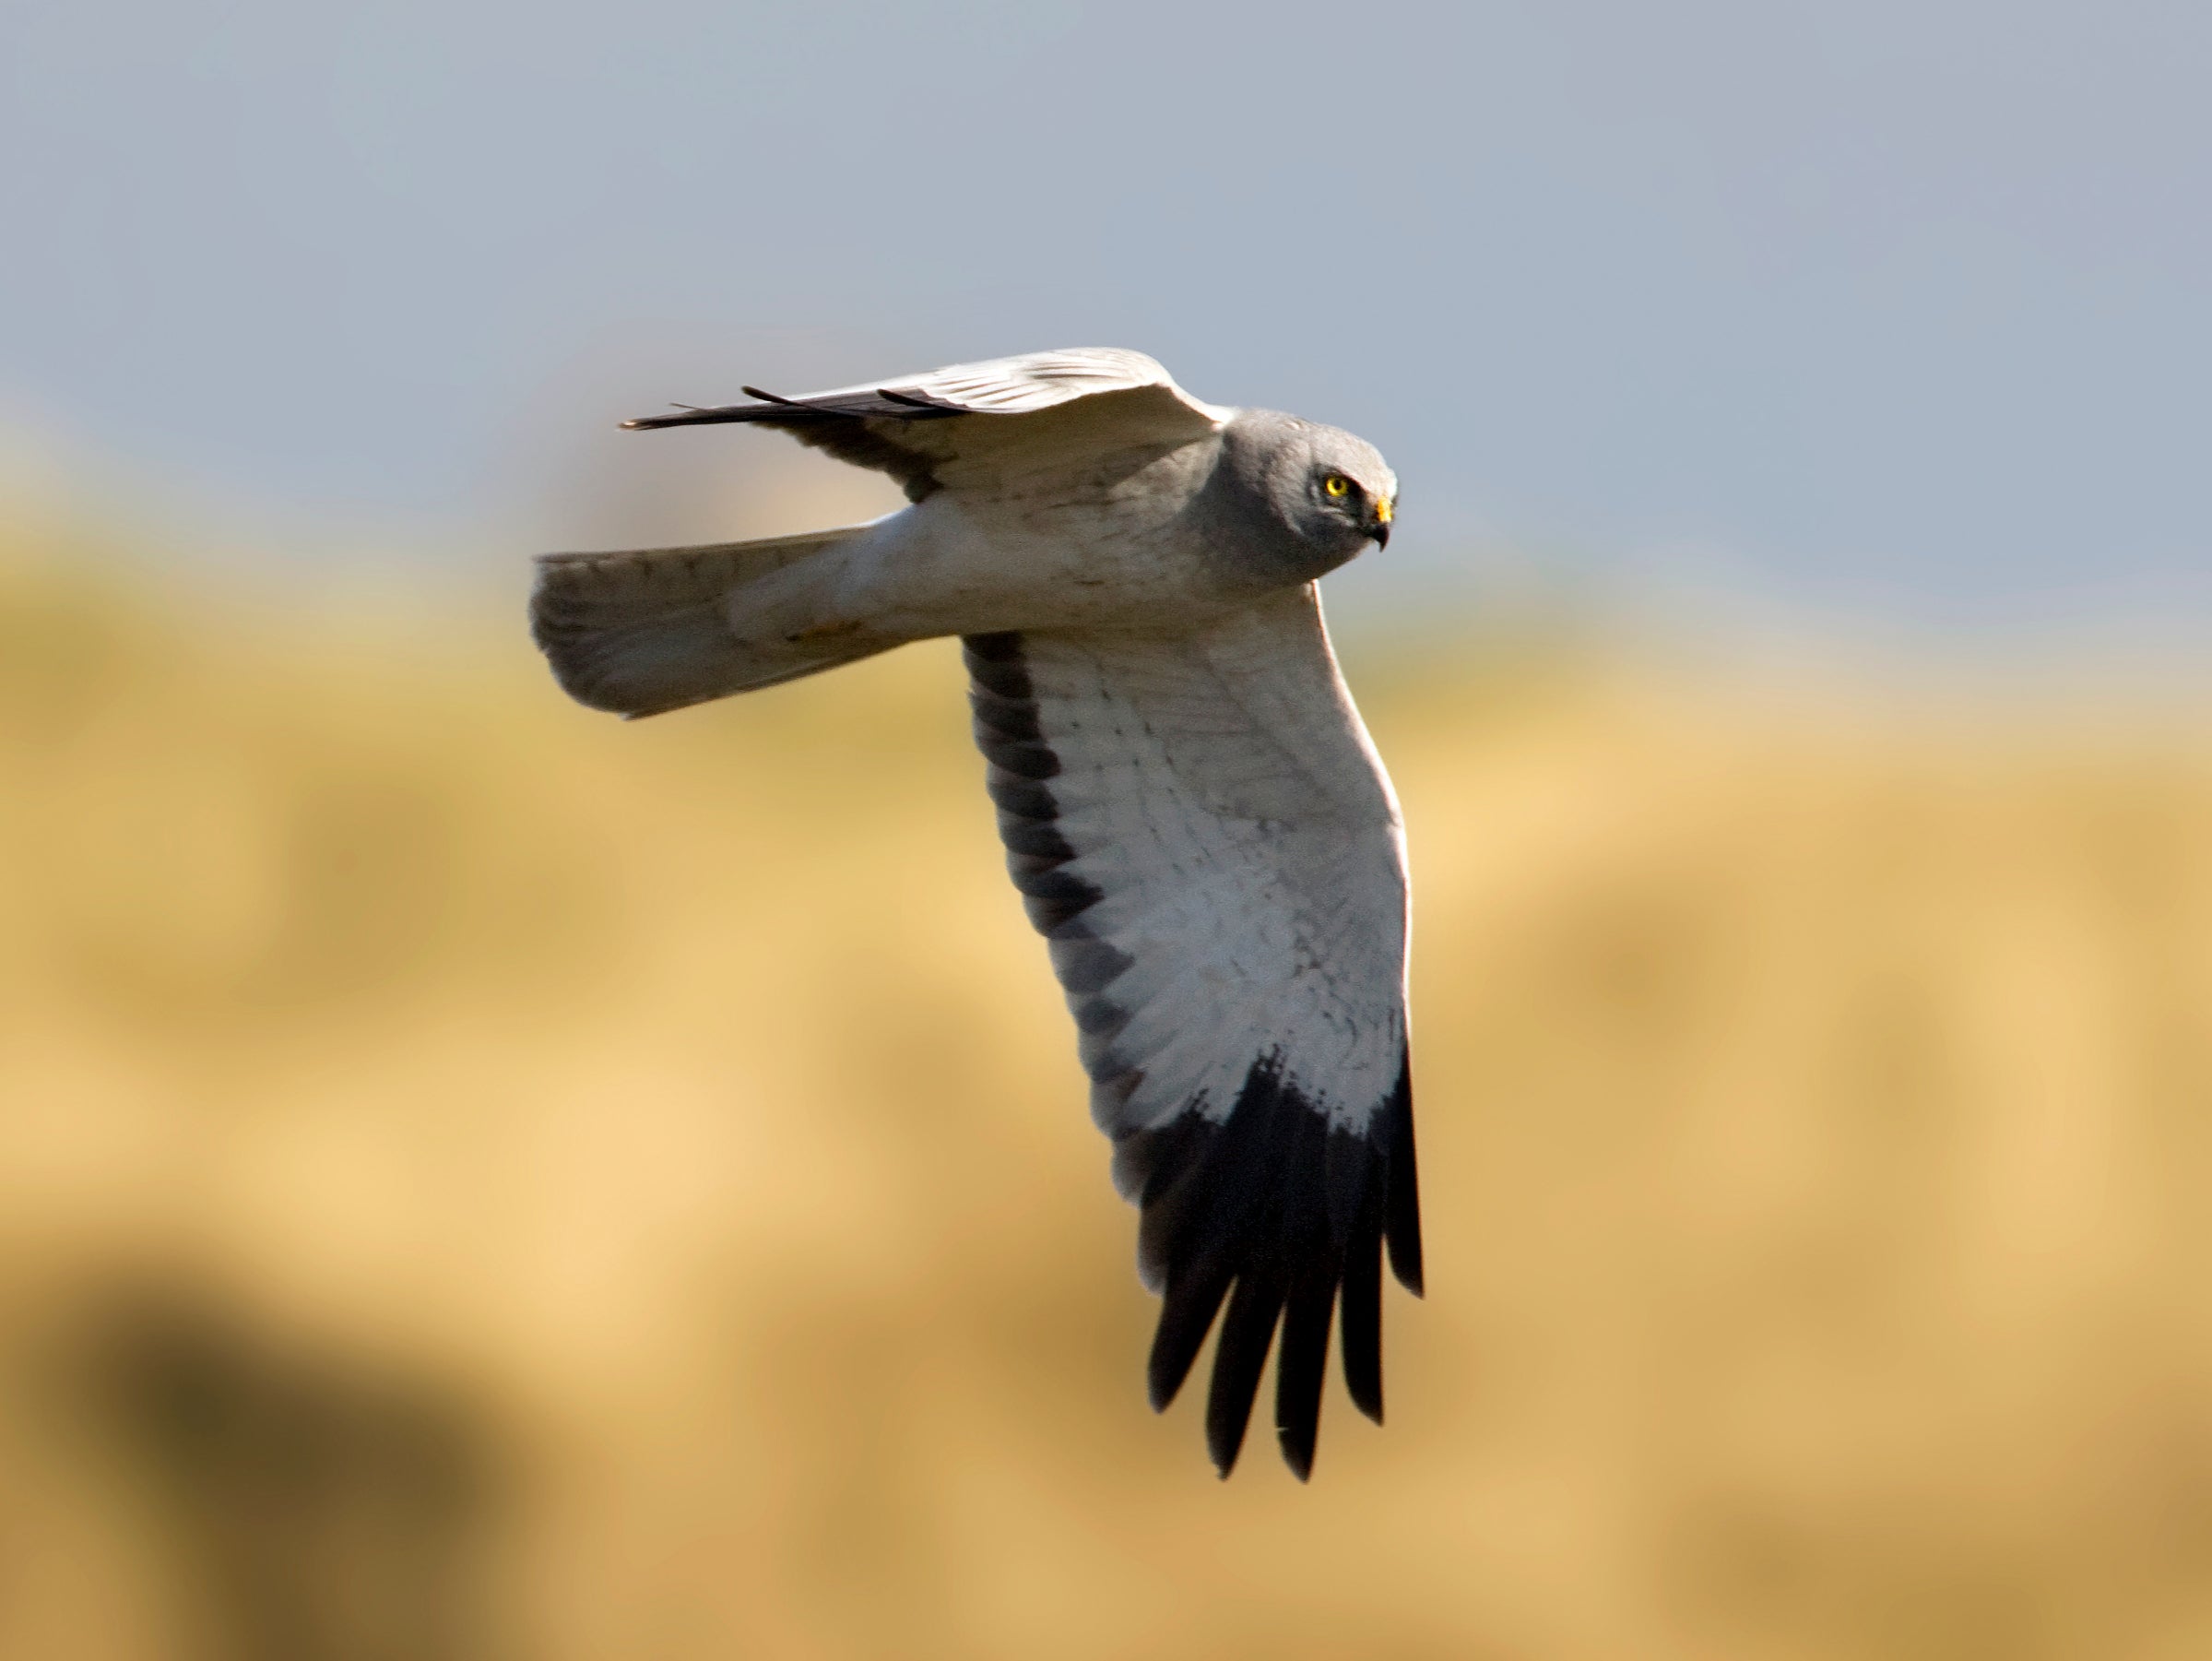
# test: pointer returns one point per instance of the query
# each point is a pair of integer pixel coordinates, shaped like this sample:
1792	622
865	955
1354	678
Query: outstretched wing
1206	837
919	429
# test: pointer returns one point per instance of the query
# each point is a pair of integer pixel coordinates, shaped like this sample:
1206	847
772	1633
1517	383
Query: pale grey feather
647	632
1236	849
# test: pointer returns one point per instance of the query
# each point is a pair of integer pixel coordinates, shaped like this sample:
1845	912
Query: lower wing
1204	834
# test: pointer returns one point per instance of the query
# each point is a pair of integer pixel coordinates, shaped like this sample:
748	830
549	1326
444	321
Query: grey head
1290	500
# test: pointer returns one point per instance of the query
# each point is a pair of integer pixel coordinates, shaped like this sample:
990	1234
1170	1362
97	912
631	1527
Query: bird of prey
1192	810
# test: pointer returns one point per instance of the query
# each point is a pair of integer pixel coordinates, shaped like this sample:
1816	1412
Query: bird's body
1098	549
1190	805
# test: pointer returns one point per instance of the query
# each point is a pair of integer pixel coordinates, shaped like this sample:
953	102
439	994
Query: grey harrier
1192	810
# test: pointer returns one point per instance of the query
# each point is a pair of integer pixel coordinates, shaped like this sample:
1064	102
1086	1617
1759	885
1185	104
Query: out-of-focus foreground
481	1181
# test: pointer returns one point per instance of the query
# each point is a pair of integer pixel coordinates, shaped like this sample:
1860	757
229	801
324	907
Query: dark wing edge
1278	1208
1285	1214
842	426
863	425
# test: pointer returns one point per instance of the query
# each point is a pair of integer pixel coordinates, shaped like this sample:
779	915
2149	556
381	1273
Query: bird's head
1352	491
1298	499
1291	500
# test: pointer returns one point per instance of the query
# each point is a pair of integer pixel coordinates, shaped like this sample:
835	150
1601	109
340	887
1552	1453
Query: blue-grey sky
1900	307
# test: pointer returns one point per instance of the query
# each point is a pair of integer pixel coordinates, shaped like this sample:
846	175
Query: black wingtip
1404	1200
697	415
1186	1317
1405	1262
1302	1370
685	417
1239	1358
1362	1331
1175	1342
1285	1216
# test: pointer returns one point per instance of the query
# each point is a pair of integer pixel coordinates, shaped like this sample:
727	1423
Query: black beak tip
1381	533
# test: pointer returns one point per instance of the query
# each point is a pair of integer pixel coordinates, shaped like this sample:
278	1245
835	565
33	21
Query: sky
1892	309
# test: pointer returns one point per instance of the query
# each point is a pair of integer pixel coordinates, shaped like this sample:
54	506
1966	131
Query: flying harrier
1196	818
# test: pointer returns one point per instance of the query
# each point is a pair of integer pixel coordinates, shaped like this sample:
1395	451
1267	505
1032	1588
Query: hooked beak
1385	511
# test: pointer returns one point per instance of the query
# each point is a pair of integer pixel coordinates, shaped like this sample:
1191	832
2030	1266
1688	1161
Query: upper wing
916	429
1206	836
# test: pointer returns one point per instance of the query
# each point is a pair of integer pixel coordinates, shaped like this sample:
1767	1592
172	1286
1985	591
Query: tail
641	634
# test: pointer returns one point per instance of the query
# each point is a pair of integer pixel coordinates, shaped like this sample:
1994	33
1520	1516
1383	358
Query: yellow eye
1336	484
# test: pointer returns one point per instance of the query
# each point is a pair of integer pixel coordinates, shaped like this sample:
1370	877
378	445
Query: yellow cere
1385	511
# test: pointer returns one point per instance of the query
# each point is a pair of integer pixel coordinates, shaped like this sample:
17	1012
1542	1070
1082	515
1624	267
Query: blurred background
478	1180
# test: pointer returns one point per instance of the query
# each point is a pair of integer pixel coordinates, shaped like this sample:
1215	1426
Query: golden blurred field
478	1180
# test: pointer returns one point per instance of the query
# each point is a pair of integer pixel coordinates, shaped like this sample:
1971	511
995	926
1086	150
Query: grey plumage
647	632
1191	807
1258	509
